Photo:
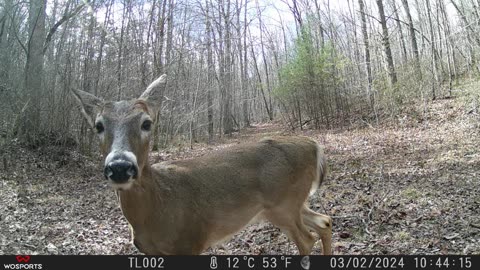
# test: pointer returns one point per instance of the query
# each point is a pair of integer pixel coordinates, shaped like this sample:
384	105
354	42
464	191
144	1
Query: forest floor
410	186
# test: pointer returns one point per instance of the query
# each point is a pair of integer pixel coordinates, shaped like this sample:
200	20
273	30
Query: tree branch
54	28
17	38
398	20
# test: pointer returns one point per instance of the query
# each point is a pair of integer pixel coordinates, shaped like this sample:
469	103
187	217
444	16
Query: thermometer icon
213	262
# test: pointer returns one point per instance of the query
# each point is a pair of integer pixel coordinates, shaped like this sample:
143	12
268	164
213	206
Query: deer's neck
135	201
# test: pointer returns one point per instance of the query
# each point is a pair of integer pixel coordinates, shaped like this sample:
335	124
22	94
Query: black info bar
240	262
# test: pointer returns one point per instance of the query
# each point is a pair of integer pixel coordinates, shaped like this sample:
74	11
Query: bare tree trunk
32	122
246	106
412	37
5	22
254	58
88	81
468	25
284	36
433	51
298	17
88	58
120	52
475	12
470	32
146	50
160	61
320	25
403	48
210	74
170	24
440	33
102	45
386	44
160	41
227	83
264	58
242	53
451	64
356	48
367	52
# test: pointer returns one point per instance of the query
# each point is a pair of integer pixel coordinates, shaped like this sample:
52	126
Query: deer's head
124	129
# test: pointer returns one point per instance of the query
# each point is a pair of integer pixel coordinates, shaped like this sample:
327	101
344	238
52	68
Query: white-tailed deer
184	207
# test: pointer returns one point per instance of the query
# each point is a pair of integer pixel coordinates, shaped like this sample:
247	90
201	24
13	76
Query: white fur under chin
123	186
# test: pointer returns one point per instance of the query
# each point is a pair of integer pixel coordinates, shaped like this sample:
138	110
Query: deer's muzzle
120	171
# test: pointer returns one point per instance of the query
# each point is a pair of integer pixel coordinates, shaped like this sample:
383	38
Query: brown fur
184	207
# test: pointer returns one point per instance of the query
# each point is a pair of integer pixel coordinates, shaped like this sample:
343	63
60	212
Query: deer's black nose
120	171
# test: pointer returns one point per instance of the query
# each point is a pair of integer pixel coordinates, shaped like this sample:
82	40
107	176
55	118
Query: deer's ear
153	95
89	105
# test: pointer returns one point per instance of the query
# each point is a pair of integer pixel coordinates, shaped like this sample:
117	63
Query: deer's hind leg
322	225
287	216
293	226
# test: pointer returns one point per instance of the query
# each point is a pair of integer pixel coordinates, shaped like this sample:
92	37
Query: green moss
411	193
402	236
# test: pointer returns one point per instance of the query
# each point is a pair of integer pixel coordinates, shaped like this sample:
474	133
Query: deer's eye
99	127
147	125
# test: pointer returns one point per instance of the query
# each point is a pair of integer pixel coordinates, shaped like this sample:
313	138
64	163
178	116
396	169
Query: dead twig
369	218
29	246
345	217
477	226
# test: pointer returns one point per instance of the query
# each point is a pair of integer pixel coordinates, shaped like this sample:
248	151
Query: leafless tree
386	43
231	64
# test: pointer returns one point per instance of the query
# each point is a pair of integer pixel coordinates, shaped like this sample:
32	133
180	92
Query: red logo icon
24	259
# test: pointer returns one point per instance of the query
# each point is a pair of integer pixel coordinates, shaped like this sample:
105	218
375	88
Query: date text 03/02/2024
403	262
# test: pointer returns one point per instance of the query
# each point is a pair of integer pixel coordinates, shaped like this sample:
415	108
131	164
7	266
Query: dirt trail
409	188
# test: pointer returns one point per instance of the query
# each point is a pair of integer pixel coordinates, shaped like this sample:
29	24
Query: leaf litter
393	189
